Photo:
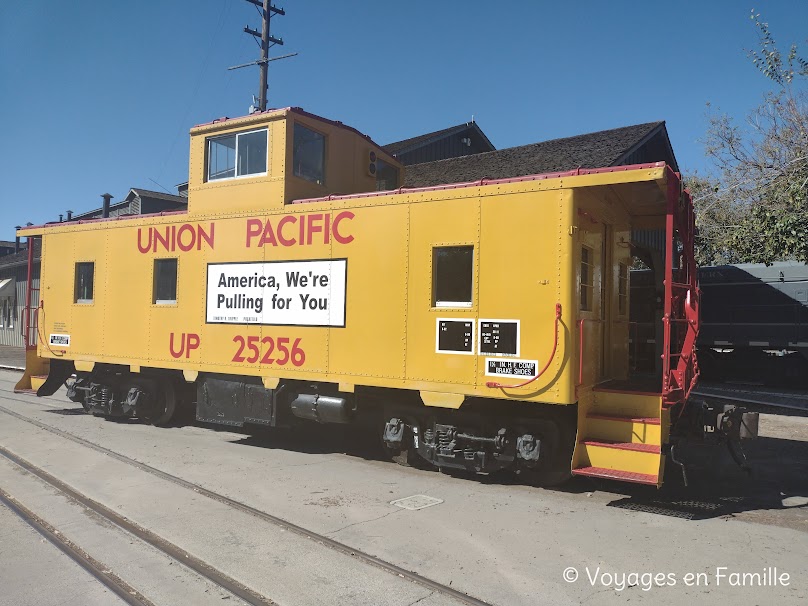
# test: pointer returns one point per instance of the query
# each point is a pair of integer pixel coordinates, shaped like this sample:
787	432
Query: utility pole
267	42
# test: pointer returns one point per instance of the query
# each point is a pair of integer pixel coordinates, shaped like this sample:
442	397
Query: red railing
680	322
30	313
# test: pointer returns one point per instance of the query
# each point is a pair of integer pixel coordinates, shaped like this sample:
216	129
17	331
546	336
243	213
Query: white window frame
235	168
75	275
453	304
176	284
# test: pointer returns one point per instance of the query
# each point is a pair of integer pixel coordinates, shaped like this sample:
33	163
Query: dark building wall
655	149
11	334
153	205
447	147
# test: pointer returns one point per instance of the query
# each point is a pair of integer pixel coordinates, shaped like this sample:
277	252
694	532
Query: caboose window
237	155
587	259
83	289
386	176
308	155
165	282
452	273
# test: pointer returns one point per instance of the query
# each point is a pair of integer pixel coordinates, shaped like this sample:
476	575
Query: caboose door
594	254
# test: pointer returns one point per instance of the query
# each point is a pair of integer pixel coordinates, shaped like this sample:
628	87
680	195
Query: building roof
133	193
399	147
593	150
148	193
21	258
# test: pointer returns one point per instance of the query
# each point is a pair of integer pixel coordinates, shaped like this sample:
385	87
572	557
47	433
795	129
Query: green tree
756	209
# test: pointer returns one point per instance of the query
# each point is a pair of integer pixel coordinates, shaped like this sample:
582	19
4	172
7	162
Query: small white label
508	367
59	340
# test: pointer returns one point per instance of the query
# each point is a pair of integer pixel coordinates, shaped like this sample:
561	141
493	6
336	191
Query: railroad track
203	569
98	569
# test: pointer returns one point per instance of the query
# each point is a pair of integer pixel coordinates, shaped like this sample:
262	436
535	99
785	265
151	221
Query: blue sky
99	96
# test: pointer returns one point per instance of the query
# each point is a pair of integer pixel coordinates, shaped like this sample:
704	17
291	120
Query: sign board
454	336
499	337
277	293
510	367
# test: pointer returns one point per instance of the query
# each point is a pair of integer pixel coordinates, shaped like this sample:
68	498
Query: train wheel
557	443
406	456
166	405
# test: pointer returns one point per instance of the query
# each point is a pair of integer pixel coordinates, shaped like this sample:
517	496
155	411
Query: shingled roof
627	145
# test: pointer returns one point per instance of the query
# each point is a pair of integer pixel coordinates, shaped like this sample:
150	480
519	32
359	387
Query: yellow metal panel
373	342
440	223
56	294
525	264
127	296
86	318
442	400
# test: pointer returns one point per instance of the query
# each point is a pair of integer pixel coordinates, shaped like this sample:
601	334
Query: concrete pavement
12	358
506	544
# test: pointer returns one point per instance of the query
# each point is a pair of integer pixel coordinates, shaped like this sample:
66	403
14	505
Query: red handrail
30	343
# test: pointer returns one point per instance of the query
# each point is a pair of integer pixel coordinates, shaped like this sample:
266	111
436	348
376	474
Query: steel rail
98	570
267	517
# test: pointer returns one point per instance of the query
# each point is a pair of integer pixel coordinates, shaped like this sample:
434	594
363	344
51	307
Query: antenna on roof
472	118
265	41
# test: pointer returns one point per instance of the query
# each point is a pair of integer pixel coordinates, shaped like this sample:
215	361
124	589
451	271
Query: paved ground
506	544
12	357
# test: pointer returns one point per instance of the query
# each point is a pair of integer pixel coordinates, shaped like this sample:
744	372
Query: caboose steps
624	446
621	436
632	404
37	381
628	457
612	474
622	429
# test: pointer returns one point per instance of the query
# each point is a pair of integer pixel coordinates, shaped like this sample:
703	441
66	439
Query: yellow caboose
481	325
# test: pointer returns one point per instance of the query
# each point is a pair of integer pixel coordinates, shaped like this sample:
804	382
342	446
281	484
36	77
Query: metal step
651	448
616	474
623	418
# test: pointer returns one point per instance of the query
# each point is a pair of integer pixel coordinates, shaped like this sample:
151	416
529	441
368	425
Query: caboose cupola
266	160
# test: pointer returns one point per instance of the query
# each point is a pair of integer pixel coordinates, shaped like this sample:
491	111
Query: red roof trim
164	213
570	173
